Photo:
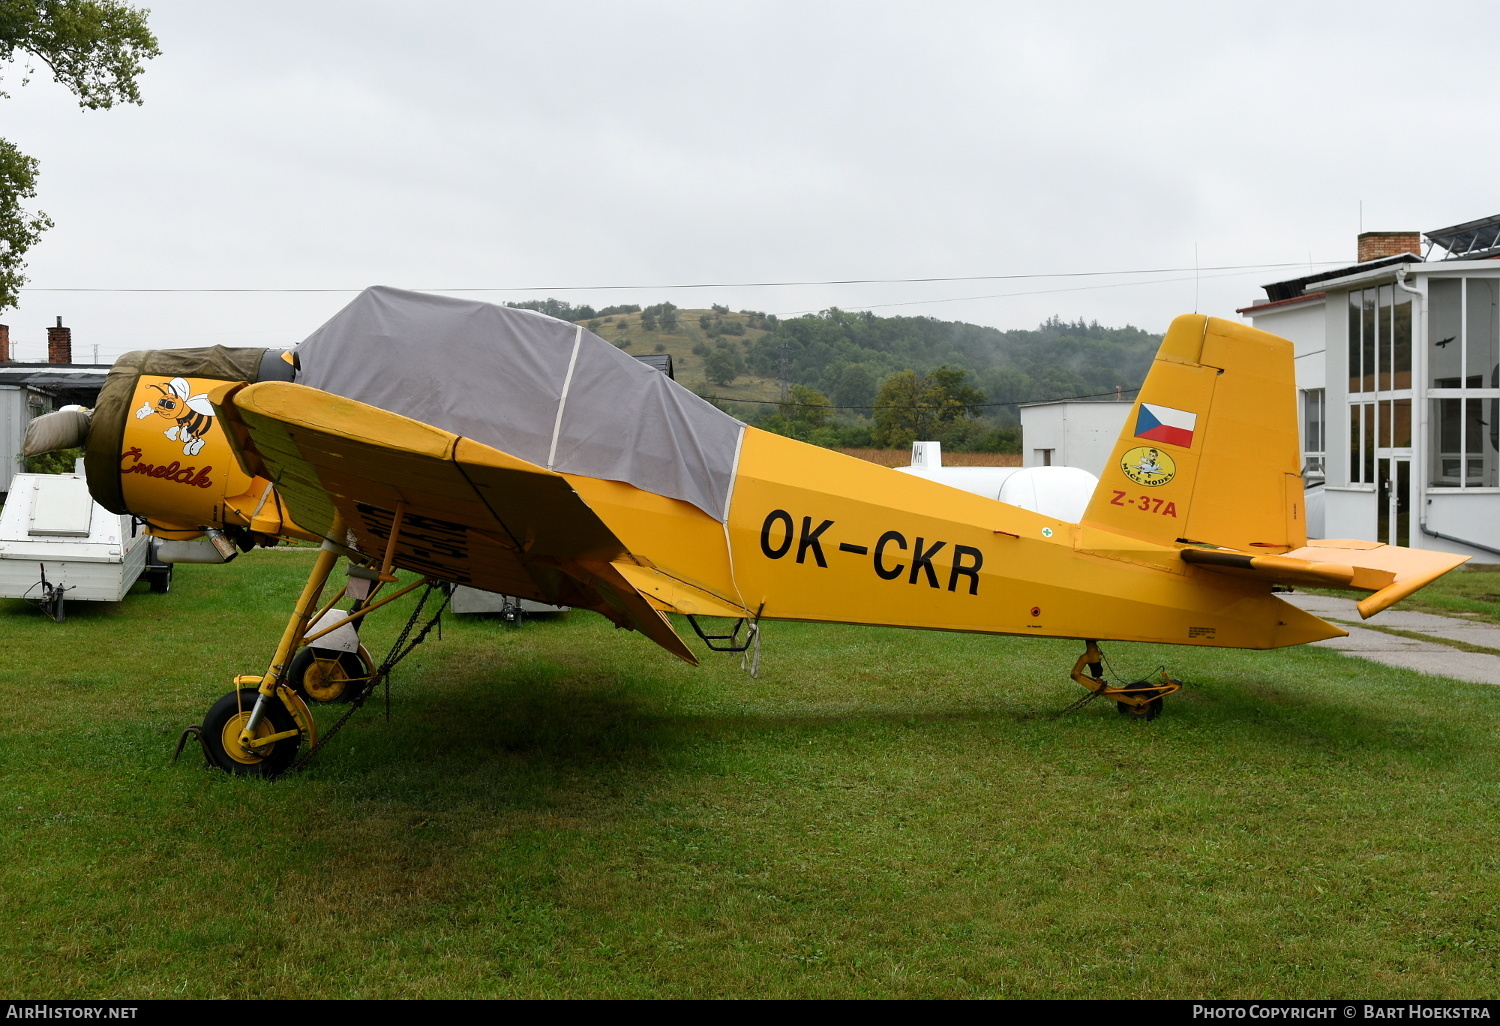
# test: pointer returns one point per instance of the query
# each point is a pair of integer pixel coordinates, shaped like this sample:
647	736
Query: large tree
911	406
95	49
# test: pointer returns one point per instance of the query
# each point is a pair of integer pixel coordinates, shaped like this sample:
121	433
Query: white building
28	390
1398	372
20	404
1070	433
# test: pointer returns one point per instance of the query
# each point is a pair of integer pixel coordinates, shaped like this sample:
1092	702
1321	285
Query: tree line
864	379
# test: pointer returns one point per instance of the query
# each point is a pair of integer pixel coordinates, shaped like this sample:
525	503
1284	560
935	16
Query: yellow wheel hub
324	680
231	739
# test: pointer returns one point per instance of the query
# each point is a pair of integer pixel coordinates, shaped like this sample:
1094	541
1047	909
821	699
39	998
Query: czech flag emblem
1164	424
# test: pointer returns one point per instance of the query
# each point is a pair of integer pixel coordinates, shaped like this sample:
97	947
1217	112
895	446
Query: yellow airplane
508	451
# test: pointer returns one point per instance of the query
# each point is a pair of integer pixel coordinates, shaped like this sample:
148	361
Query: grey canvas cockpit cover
547	391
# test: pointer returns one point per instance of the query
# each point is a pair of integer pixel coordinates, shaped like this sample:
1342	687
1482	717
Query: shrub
61	461
720	367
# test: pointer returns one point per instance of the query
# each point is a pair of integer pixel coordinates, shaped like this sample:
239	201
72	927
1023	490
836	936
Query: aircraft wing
471	514
1390	572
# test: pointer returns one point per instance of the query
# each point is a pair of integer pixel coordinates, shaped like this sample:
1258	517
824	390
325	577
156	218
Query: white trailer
510	607
57	545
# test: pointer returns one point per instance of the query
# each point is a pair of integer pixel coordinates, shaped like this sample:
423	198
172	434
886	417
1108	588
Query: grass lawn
562	810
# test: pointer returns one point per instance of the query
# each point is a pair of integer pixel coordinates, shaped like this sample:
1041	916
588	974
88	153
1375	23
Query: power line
1034	292
967	406
701	285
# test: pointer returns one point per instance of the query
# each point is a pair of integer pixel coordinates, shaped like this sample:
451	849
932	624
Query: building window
1380	378
1314	416
1464	382
1361	443
1379	340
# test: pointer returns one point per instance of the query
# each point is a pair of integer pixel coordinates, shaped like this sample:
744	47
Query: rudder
1209	453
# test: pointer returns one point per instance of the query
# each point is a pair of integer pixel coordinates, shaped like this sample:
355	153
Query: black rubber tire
59	610
1151	711
160	579
351	666
221	726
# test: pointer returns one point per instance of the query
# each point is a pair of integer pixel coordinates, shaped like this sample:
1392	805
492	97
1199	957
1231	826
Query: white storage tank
1059	492
1062	493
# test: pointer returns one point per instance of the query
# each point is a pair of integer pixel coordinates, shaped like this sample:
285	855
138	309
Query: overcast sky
537	146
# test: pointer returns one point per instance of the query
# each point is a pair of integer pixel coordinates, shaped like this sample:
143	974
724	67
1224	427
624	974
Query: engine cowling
156	449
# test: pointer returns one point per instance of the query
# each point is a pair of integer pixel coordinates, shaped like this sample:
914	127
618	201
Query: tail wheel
323	675
221	735
1150	711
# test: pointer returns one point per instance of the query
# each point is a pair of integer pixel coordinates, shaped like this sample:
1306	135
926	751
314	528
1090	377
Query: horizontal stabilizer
1389	571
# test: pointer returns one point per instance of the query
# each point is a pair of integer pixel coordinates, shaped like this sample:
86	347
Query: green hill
846	356
690	344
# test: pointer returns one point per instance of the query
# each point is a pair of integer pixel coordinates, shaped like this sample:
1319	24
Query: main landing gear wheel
323	675
221	735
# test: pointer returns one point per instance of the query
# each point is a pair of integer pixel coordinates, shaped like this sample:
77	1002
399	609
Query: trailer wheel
59	611
160	579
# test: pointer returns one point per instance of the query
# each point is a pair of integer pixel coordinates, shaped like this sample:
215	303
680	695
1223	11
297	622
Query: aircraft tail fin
1210	454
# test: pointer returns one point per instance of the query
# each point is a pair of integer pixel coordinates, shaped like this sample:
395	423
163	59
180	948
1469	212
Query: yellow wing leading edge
470	514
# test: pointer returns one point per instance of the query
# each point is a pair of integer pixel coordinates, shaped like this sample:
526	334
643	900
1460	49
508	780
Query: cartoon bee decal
191	416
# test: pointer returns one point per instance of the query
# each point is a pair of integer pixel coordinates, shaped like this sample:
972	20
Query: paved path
1409	653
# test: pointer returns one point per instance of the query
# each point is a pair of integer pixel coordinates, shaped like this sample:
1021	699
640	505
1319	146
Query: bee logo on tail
191	416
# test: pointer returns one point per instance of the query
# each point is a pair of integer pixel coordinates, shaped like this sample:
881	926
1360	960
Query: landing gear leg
1141	699
259	726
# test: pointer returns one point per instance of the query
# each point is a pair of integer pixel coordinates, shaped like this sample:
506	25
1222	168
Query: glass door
1394	510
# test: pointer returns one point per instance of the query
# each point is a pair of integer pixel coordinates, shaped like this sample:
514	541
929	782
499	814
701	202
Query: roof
1294	288
75	382
1255	308
661	361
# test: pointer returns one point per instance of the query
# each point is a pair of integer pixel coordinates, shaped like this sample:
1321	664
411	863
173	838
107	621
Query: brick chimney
1374	245
59	344
4	343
